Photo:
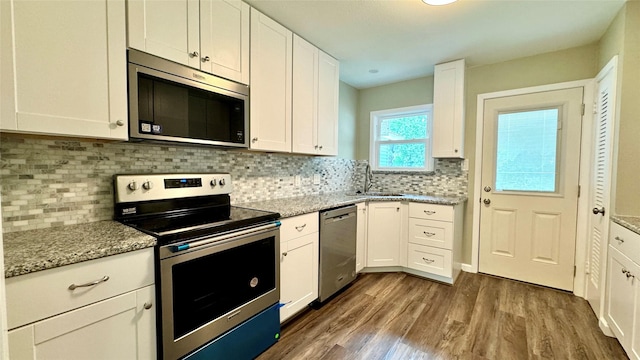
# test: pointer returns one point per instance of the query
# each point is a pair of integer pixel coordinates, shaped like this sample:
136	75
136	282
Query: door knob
486	201
487	188
597	211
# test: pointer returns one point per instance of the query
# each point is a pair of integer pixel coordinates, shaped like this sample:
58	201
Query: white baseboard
468	268
604	327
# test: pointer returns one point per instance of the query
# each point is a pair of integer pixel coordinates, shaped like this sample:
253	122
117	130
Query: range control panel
130	188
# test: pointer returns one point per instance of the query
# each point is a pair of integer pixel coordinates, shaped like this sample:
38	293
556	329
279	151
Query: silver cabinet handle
254	139
320	147
429	234
597	211
316	147
193	54
428	261
429	212
120	123
89	284
301	227
148	305
205	59
284	253
619	239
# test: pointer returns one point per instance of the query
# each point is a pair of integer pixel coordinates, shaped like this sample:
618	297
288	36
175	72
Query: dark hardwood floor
398	316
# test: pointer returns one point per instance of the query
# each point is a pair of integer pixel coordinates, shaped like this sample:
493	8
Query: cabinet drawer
431	233
429	259
39	295
431	212
625	241
297	226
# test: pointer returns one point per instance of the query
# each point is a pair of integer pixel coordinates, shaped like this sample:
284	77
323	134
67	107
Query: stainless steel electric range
217	265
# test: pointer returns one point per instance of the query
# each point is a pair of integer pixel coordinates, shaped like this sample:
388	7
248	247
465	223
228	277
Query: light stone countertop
288	207
35	250
630	222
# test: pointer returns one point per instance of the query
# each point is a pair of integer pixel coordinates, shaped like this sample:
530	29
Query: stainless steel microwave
172	102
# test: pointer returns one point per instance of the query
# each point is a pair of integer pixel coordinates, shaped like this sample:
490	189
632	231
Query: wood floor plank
400	317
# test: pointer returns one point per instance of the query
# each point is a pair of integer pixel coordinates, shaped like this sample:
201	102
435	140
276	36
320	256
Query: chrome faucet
368	176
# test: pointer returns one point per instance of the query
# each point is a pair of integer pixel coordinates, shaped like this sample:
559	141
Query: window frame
374	143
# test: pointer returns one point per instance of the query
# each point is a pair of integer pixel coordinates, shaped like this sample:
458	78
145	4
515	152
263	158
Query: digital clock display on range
182	183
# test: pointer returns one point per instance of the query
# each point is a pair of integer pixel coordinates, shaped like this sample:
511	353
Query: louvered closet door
601	183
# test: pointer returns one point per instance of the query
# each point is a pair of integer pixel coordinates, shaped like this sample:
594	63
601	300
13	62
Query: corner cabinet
112	318
386	234
623	288
448	110
64	68
315	100
210	35
299	249
271	73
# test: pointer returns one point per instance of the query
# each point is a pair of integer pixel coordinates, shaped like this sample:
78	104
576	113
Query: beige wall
405	93
555	67
627	167
347	121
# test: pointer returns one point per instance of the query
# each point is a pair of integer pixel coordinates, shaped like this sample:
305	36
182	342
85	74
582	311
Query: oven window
172	109
210	286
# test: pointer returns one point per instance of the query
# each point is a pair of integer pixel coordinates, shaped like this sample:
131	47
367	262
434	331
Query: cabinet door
117	328
384	234
169	29
620	296
305	97
271	68
328	85
69	73
224	38
298	274
361	237
448	110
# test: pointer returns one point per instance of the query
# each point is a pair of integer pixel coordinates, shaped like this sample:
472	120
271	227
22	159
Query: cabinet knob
193	54
486	201
148	305
619	239
205	59
597	211
320	147
455	150
254	139
120	123
284	253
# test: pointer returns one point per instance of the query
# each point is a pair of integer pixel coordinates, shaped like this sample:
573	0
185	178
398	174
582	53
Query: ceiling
404	39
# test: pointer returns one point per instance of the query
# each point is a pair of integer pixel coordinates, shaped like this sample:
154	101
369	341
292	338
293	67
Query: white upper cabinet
69	75
271	73
315	100
448	110
224	38
169	29
211	35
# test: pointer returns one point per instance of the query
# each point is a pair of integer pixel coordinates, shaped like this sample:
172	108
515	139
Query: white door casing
528	232
600	194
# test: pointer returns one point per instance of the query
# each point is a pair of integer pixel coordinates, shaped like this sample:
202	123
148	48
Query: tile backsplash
49	182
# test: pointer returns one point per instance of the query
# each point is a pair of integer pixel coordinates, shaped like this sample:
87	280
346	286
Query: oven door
209	286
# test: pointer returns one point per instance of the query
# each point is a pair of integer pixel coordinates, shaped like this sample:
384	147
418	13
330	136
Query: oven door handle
234	234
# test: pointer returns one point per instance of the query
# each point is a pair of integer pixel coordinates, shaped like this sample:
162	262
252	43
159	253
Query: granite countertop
630	222
34	250
293	206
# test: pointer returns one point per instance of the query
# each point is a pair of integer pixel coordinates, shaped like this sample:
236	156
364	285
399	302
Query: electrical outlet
465	165
297	180
316	179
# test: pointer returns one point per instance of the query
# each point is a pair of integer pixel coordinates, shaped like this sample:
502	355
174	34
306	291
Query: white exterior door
601	184
530	173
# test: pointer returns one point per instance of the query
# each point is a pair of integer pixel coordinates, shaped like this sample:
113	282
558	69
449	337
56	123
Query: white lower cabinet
361	237
117	328
299	247
99	309
385	232
623	289
417	238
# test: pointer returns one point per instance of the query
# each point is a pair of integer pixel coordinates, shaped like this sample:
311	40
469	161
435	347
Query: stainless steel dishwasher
337	250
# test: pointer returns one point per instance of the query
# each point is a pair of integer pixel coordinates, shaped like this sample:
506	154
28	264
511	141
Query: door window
527	151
